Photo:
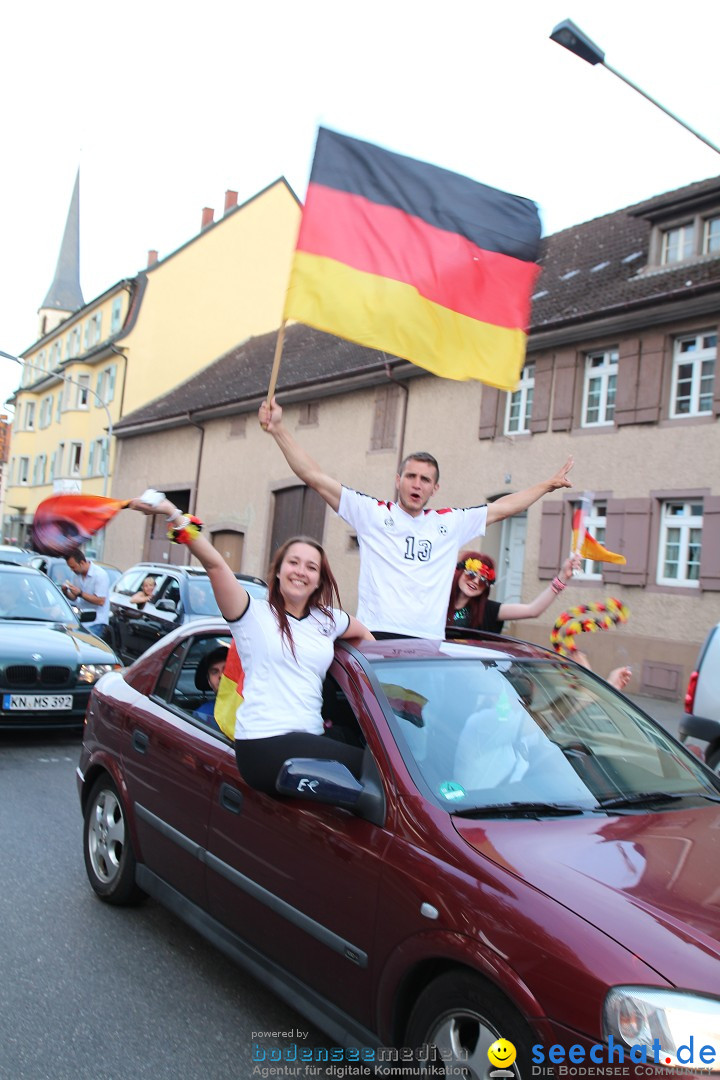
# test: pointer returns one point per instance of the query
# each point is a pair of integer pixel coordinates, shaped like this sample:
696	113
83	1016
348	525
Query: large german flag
414	260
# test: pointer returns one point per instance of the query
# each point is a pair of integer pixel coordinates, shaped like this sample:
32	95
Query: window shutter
710	554
563	404
716	396
551	537
489	408
385	418
628	533
627	382
541	396
650	379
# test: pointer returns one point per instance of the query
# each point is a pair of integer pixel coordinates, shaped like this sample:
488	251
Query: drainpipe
201	429
401	435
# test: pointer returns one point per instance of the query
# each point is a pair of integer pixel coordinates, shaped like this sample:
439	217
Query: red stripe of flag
390	243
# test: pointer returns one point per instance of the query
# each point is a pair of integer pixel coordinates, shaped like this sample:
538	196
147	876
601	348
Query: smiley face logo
502	1054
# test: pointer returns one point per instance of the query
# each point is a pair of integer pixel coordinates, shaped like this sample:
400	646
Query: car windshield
32	596
483	733
200	599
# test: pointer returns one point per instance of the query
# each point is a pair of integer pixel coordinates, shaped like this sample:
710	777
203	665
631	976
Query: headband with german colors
414	260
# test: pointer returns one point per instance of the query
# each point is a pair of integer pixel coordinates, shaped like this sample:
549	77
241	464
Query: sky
165	105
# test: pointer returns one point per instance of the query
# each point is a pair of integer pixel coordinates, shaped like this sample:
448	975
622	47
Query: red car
528	857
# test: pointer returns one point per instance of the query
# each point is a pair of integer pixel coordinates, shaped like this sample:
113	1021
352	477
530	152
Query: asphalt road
90	991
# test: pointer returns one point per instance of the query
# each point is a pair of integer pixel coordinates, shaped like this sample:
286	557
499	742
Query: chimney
152	257
207	217
230	200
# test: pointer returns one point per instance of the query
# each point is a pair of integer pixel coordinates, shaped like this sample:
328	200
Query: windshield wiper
522	809
640	798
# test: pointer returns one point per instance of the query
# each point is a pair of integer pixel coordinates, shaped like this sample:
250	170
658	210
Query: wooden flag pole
276	362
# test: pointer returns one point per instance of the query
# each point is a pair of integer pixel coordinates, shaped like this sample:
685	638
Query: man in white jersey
407	552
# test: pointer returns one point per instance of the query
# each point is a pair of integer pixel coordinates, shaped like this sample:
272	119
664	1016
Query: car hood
53	642
647	880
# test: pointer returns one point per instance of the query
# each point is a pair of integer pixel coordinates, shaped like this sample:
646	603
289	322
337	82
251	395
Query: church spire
65	295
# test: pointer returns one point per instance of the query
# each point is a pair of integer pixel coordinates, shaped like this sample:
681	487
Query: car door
170	762
299	881
124	614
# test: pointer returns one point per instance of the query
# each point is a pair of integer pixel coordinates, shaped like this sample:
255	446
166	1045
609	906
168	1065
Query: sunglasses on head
477	568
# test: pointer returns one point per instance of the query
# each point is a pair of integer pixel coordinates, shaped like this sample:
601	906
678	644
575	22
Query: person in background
88	587
145	591
285	645
470	603
207	677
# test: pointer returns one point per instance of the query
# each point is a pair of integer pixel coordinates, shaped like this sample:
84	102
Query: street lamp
73	382
572	38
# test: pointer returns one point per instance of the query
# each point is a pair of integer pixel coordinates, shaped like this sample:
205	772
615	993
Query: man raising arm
407	552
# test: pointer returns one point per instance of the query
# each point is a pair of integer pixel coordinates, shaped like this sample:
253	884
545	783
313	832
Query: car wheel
460	1016
713	761
109	857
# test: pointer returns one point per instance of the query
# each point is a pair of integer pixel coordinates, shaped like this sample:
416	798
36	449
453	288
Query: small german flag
230	693
411	259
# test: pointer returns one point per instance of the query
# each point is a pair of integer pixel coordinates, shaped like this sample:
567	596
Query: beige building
94	362
620	374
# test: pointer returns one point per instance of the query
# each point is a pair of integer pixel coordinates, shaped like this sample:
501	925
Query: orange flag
587	546
64	522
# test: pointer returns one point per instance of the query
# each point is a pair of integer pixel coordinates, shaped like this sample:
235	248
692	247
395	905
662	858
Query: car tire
461	1015
109	857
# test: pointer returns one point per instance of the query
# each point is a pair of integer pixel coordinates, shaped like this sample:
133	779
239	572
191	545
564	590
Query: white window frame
606	375
596	524
686	245
75	463
23	470
711	236
82	399
522	396
29	416
696	359
683	523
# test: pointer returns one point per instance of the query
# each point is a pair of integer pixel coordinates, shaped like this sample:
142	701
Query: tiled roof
308	357
588	271
601	266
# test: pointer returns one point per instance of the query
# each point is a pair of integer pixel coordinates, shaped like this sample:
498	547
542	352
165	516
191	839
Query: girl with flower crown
470	603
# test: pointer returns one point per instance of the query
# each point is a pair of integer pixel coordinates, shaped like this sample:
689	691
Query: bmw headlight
679	1029
90	673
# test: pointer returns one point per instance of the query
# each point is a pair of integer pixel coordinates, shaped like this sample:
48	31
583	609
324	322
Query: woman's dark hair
475	604
325	597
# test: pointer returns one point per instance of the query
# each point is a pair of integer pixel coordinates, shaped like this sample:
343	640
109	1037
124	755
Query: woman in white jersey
285	644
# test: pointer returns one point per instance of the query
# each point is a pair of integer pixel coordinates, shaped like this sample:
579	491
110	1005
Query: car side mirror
317	780
86	616
166	605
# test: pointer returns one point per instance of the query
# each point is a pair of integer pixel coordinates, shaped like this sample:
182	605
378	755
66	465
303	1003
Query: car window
130	582
168	590
183	683
338	715
32	596
483	732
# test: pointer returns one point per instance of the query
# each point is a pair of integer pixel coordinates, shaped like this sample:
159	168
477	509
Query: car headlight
679	1029
90	673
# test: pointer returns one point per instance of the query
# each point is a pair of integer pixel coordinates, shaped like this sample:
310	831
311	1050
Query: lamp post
572	38
98	399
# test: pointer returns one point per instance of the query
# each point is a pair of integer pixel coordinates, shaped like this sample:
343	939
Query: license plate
37	702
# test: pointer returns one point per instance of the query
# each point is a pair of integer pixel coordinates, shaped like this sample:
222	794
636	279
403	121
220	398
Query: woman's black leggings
259	760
